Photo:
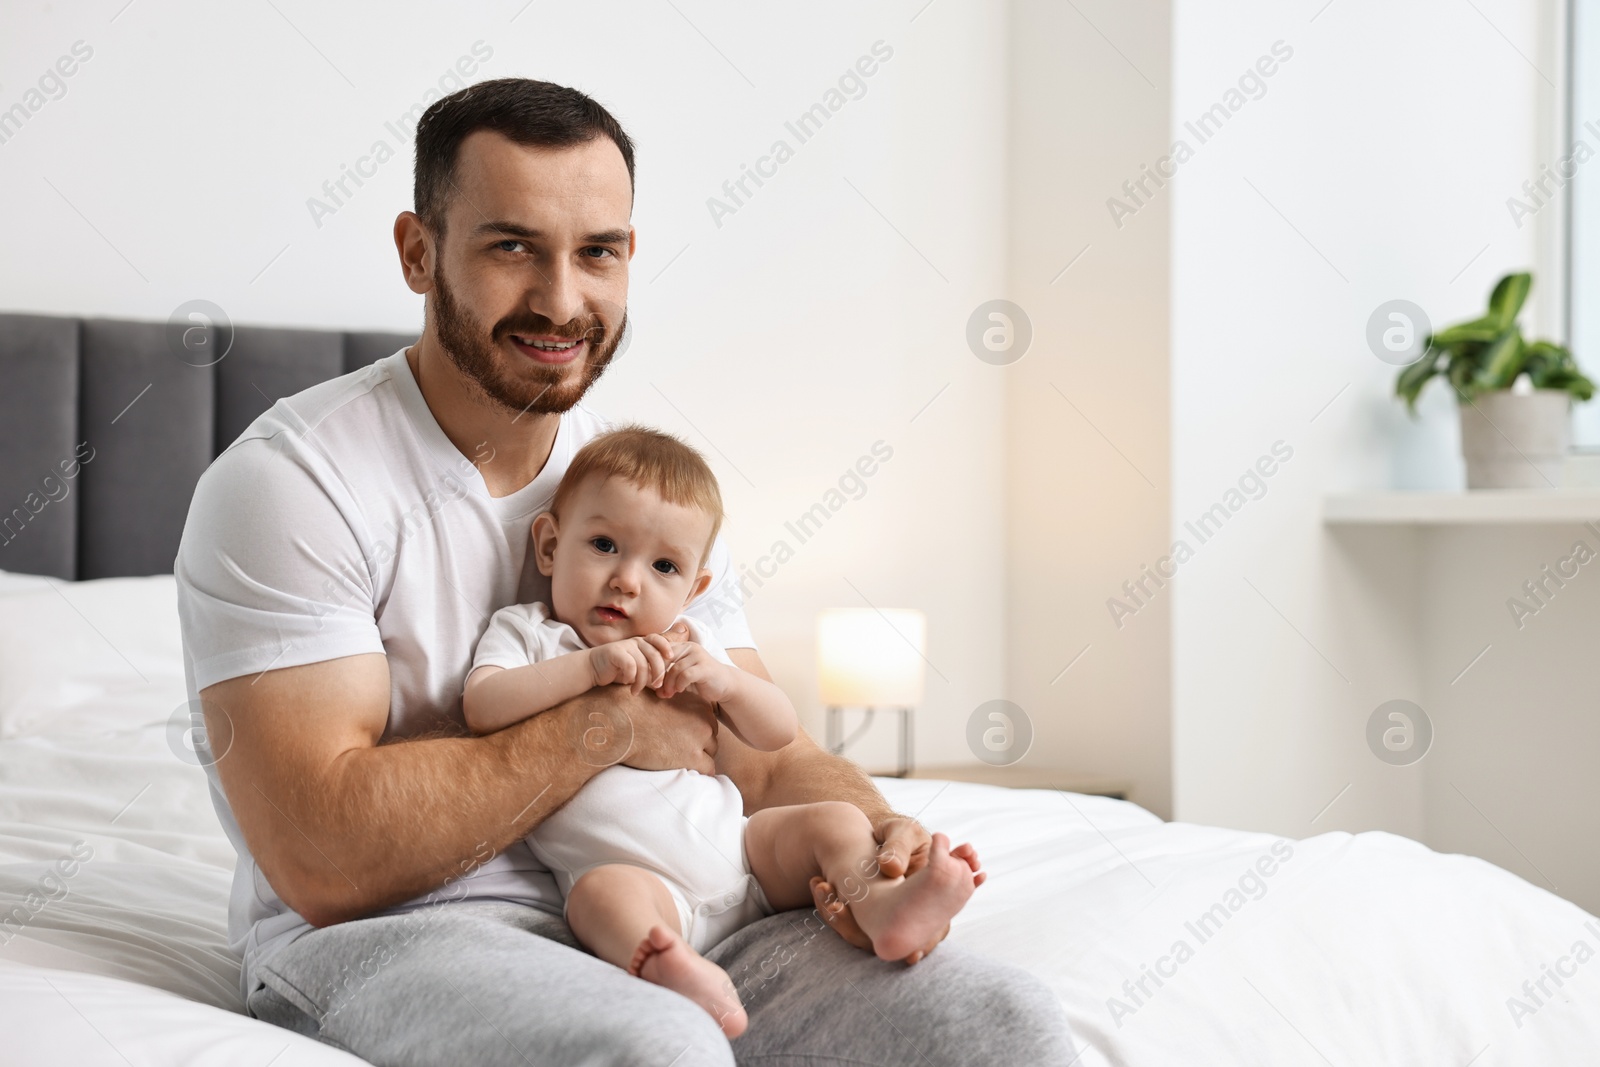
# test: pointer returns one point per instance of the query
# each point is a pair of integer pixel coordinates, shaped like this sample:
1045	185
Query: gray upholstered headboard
153	421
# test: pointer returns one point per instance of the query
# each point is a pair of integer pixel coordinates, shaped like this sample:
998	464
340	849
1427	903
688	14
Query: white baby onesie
685	826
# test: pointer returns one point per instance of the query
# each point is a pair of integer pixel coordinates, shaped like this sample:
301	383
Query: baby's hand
636	662
694	669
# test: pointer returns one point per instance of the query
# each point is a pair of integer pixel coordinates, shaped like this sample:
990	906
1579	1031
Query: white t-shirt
343	521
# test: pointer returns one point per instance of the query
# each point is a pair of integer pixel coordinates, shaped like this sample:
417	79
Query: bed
1165	942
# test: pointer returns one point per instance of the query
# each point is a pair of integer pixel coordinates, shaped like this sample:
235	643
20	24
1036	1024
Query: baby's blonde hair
649	459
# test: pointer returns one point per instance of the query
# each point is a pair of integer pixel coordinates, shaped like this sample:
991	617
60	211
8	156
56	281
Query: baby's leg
626	916
788	845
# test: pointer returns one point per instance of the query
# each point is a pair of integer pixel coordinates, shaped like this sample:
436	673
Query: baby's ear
702	582
544	542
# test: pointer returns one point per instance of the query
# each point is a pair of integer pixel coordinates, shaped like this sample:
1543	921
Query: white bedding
1365	949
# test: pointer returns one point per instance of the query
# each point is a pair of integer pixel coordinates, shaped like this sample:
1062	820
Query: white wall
1346	185
1088	439
1512	774
791	338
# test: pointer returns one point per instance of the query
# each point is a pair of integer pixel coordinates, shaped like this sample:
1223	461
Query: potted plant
1511	439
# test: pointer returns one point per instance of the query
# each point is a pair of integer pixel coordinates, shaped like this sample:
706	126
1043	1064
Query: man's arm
343	826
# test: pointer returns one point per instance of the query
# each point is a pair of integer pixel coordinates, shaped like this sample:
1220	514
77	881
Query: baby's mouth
610	614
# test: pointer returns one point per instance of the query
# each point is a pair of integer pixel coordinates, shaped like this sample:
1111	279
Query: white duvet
1166	943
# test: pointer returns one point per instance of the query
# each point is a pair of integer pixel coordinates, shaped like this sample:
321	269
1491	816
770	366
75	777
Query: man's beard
540	388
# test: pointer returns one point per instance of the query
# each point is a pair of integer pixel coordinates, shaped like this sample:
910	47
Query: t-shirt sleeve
509	641
721	606
270	571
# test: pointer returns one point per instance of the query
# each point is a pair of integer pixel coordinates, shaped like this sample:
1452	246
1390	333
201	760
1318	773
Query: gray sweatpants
484	982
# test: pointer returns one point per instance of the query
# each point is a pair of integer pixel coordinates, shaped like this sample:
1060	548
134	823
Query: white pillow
88	657
12	582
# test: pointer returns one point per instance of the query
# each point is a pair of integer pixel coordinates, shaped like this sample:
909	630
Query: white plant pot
1516	440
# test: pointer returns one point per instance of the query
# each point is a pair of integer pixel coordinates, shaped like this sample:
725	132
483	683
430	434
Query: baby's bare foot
910	915
665	959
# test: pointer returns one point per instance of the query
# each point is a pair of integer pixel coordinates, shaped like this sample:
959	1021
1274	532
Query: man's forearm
447	799
804	772
391	822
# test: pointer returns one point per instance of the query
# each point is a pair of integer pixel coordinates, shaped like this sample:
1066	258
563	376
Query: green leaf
1503	361
1482	331
1460	375
1468	357
1545	360
1505	303
1414	376
1557	355
1573	381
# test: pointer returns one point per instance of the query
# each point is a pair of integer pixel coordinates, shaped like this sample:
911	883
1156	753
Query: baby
658	866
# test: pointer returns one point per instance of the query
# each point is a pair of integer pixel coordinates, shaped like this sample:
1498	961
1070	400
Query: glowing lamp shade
868	658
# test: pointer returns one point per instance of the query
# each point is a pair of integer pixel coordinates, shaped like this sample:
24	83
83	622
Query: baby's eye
603	544
666	566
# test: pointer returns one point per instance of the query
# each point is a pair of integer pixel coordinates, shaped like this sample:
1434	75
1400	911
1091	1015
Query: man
339	563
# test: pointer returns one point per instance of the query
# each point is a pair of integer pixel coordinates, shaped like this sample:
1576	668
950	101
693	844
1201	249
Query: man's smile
547	348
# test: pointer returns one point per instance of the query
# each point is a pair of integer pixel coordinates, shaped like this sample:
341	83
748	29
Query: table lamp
871	659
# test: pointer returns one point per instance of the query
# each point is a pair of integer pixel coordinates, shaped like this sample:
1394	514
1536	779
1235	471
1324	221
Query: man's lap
485	982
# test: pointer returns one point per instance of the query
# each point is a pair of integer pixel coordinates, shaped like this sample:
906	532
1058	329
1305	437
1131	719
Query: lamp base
836	743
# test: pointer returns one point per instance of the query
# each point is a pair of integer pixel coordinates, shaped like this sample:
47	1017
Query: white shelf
1474	508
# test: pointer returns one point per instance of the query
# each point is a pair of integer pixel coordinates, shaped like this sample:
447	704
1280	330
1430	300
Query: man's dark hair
525	111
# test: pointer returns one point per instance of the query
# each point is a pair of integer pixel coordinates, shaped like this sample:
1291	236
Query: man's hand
665	735
904	845
903	850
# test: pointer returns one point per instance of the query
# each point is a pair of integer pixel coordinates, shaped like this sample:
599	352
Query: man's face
531	280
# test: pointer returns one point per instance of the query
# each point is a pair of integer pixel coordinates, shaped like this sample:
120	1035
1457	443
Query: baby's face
622	562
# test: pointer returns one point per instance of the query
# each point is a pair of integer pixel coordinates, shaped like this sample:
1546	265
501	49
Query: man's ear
415	245
544	542
702	582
